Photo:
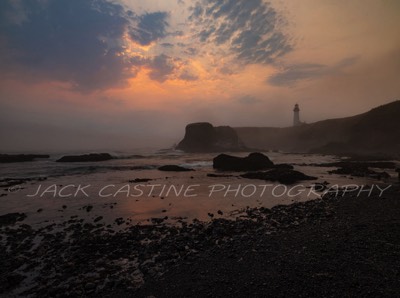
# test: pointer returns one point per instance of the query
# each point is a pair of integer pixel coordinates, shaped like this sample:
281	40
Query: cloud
150	27
249	29
162	67
190	51
293	74
82	43
167	45
188	75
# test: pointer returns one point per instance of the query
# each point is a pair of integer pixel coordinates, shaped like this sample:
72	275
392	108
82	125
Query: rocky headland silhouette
376	132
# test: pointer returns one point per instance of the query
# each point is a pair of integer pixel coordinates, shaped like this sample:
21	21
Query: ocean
130	187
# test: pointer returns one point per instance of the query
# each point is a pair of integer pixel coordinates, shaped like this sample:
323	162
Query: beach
123	227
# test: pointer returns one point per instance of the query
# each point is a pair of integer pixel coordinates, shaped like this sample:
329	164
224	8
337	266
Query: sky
104	74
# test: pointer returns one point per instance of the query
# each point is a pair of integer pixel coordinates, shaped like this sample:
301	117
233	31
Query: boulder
282	175
204	137
173	168
253	162
11	218
86	157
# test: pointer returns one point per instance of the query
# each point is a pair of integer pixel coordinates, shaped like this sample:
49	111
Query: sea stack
204	137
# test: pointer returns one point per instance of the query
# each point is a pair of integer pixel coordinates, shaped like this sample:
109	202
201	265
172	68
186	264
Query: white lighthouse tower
296	115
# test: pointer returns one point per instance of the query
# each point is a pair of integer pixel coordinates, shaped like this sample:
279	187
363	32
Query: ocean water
90	190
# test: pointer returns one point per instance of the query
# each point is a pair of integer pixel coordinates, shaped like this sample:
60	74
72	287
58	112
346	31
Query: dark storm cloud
292	74
151	27
250	29
74	41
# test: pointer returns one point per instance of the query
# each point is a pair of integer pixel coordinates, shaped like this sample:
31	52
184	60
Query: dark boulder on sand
204	137
173	168
253	162
11	218
86	157
281	175
8	158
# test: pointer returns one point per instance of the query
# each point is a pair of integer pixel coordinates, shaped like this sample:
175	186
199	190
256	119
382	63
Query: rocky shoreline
334	246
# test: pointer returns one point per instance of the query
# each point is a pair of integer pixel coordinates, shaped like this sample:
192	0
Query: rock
11	218
283	176
361	169
253	162
88	208
204	137
119	221
139	180
7	158
174	168
90	287
86	157
219	176
98	218
157	220
7	182
283	166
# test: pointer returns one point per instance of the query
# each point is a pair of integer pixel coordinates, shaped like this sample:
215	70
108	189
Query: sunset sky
132	73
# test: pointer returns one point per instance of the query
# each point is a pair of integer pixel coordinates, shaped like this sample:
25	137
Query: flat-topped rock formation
204	137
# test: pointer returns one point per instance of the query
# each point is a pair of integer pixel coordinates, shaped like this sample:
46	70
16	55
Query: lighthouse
296	115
